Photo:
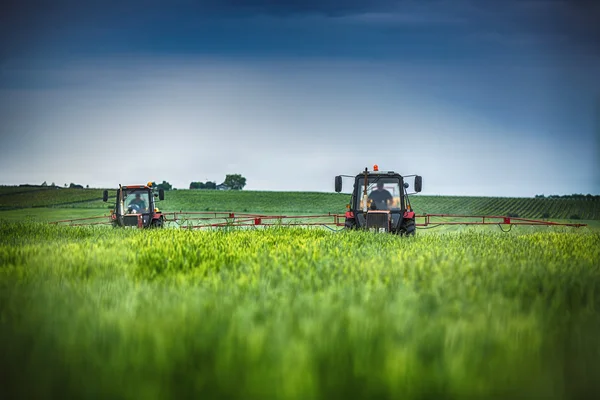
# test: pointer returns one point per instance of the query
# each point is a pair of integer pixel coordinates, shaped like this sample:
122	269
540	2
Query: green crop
311	202
303	203
49	197
298	314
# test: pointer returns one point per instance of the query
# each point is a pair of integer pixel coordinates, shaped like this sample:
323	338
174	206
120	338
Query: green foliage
235	181
202	185
210	185
297	314
164	185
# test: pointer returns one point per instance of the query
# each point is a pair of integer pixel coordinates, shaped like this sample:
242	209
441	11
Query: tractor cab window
382	193
136	201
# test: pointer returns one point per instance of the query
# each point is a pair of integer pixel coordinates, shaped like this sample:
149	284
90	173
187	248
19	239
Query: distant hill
306	202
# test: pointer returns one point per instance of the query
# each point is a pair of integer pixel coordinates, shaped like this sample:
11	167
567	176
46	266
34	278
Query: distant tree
53	184
87	186
197	185
75	186
210	185
202	185
65	185
164	185
44	184
235	181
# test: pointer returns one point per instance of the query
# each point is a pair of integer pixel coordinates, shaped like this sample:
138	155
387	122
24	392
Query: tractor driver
138	201
380	197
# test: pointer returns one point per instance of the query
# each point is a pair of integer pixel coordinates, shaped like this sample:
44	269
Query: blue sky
478	97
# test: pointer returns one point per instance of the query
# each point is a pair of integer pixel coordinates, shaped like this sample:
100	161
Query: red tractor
135	206
380	202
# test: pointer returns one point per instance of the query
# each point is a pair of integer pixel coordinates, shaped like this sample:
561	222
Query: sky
480	97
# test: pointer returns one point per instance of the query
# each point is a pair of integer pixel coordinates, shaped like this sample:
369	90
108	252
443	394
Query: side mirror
406	185
105	196
161	194
418	183
338	184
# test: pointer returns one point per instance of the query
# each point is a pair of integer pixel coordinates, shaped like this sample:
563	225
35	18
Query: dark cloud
29	27
13	11
294	7
23	22
581	20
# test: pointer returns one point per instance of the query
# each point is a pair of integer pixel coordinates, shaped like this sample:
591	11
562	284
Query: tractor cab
380	201
135	206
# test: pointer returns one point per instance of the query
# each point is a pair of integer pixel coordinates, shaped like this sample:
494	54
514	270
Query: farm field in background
18	198
298	313
309	202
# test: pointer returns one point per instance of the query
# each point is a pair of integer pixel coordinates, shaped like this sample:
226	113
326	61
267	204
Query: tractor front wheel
409	228
349	224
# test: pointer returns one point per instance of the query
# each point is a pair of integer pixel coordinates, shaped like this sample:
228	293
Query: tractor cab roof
376	171
146	186
135	187
379	173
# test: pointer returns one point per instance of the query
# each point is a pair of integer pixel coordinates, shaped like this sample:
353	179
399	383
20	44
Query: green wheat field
297	313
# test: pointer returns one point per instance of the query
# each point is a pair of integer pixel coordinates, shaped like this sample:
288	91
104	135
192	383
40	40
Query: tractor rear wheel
157	223
409	228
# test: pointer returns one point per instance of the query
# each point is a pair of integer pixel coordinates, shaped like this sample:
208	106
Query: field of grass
298	314
311	202
47	214
48	197
19	189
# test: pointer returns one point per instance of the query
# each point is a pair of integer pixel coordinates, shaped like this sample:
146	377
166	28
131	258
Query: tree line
569	196
231	182
54	185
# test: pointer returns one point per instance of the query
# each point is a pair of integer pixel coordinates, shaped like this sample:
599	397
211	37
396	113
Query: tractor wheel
409	228
157	223
349	224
